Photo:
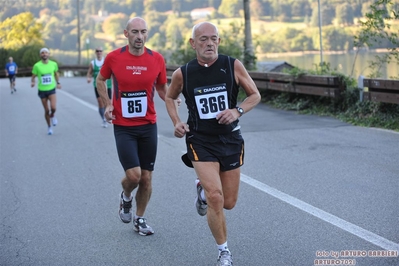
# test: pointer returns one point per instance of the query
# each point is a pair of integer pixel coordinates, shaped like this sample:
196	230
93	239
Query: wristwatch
240	110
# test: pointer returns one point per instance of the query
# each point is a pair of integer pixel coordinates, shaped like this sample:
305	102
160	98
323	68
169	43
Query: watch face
240	110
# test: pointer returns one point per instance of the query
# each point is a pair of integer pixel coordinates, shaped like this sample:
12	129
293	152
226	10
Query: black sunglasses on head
99	51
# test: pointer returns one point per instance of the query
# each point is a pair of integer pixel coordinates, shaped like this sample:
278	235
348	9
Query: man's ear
192	43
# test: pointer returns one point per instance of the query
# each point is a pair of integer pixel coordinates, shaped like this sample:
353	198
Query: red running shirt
134	79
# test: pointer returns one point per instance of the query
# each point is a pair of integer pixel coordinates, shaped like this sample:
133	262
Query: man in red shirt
136	72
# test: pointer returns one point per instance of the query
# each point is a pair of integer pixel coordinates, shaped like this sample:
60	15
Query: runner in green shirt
46	71
92	72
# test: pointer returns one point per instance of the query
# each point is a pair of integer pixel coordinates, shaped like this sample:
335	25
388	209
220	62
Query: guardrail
379	90
330	86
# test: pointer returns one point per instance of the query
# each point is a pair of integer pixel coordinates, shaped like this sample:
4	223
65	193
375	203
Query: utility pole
78	14
320	33
249	58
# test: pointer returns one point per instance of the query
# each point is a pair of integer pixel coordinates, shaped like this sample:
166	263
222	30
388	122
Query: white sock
223	247
126	198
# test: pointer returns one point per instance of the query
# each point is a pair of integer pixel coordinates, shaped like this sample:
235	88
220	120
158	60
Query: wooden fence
379	90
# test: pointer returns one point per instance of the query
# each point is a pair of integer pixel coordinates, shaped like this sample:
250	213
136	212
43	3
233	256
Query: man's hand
227	116
181	129
108	113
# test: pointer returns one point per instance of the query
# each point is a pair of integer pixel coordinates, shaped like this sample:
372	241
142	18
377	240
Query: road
313	189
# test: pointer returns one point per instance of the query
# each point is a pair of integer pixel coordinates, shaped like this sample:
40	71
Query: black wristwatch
240	110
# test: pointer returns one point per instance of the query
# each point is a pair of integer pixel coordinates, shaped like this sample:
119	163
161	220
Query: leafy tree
256	9
115	24
344	14
374	29
230	8
20	30
301	43
327	15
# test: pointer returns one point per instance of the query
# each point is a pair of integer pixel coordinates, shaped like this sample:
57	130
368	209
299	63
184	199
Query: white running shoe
141	226
105	124
50	131
225	259
125	210
54	121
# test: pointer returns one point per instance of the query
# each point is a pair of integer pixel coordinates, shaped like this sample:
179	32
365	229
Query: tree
230	8
115	24
20	30
374	29
344	14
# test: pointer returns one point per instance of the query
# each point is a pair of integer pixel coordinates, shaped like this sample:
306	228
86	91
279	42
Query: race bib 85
134	104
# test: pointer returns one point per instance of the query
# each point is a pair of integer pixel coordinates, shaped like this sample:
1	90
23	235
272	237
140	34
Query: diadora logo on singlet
136	69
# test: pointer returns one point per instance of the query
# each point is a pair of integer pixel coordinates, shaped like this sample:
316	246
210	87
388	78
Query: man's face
137	34
99	52
206	42
44	55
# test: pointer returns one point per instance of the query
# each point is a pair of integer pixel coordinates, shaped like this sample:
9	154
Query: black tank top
208	91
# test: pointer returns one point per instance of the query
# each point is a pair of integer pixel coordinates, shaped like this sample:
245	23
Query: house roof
274	66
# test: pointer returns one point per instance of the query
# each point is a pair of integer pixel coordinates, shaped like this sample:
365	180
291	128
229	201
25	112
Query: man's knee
229	203
133	175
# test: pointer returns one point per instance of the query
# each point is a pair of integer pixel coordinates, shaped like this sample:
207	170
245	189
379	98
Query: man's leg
208	174
144	192
46	110
230	184
142	180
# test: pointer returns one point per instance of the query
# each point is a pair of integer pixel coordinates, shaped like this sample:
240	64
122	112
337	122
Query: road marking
91	106
325	216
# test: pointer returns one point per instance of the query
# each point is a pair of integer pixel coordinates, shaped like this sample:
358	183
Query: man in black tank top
215	147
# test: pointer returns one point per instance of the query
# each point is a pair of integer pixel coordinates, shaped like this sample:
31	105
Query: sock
202	194
223	247
126	198
136	217
101	111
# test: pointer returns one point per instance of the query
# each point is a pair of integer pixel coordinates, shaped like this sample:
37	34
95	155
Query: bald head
198	28
136	22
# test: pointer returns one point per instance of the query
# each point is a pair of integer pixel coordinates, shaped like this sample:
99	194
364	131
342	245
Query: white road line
325	216
91	106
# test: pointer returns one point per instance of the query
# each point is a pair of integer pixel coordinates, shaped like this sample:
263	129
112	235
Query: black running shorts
109	91
137	146
45	94
228	149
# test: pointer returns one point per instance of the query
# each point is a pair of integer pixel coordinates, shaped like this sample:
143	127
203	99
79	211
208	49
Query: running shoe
225	259
141	226
15	89
105	124
50	131
54	121
125	210
200	205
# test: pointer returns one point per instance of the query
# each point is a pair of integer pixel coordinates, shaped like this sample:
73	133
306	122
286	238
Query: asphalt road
314	190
